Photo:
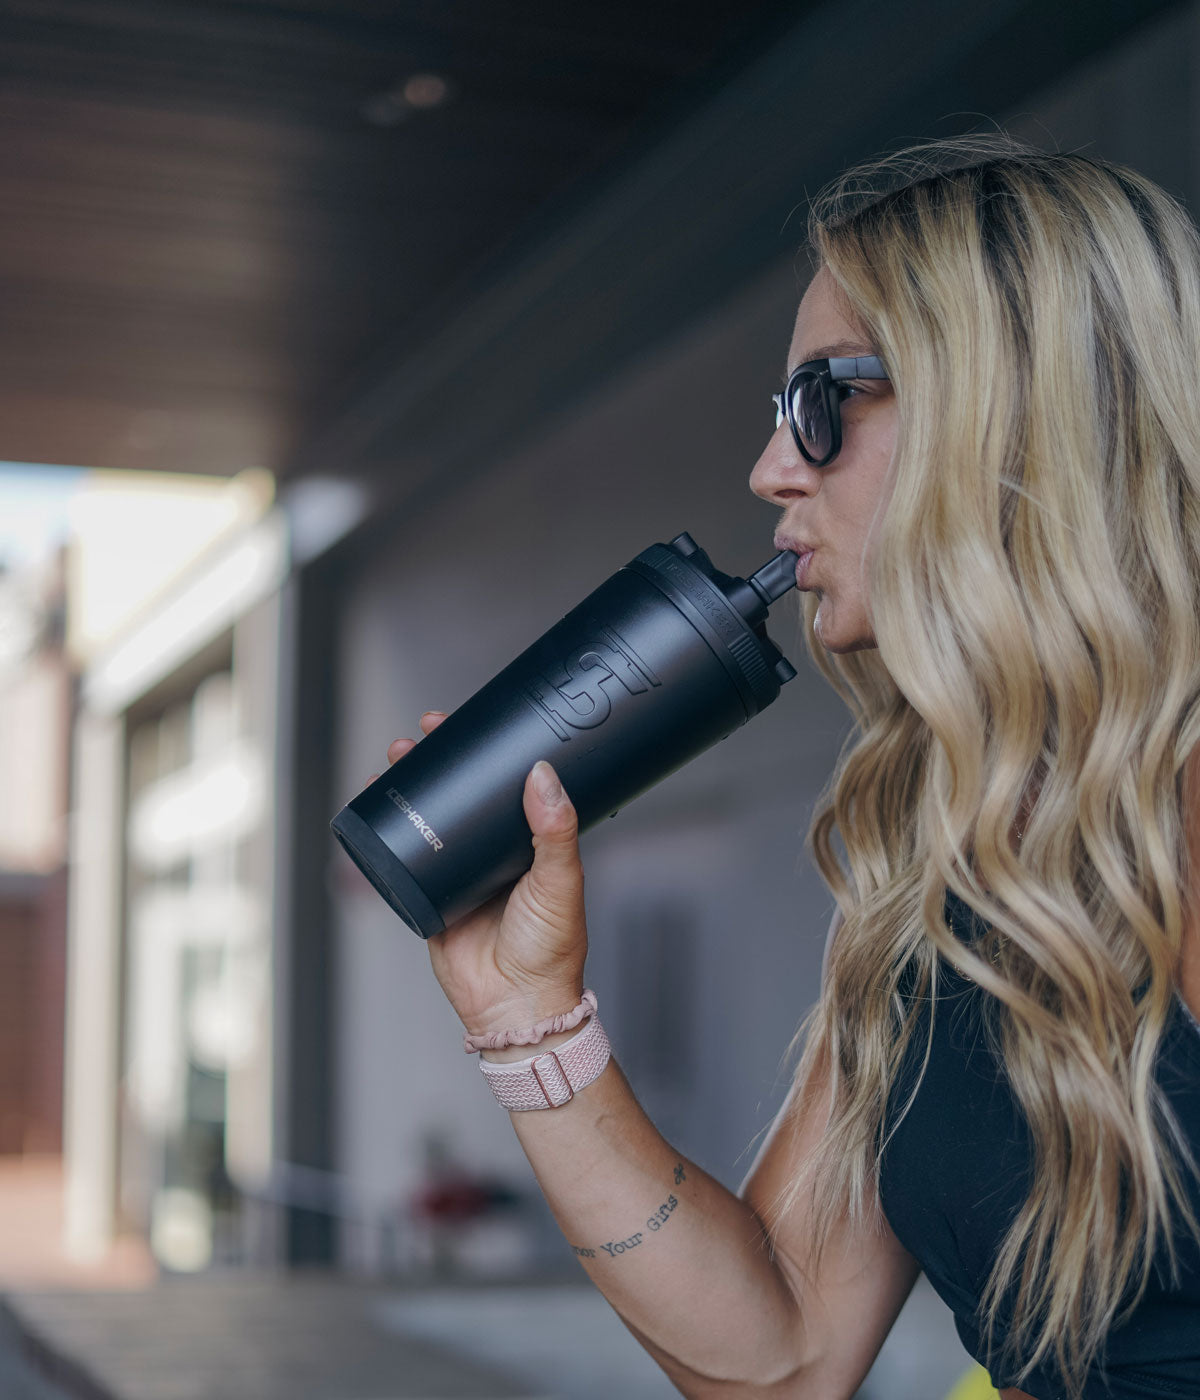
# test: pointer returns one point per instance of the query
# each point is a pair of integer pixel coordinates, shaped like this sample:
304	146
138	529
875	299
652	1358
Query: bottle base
386	873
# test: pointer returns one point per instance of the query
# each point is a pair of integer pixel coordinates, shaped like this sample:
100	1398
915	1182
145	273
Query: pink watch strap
552	1078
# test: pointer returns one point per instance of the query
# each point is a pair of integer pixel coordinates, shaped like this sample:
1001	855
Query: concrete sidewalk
328	1337
292	1337
21	1376
32	1257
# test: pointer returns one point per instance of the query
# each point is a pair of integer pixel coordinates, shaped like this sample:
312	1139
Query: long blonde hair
1034	589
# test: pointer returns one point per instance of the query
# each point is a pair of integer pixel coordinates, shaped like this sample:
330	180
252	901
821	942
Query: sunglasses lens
811	415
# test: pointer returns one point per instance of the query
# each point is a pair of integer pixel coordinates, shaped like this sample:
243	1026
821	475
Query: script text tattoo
653	1223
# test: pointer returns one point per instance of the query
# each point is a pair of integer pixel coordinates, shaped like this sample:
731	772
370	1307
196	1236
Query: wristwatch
552	1078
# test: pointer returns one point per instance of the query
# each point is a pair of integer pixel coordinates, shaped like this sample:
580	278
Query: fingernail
545	780
437	714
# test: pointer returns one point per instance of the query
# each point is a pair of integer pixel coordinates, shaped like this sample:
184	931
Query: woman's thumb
555	826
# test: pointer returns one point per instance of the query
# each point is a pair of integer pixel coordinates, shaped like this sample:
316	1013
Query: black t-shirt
956	1172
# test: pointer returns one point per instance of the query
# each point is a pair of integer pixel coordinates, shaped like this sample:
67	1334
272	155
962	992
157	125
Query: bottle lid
731	612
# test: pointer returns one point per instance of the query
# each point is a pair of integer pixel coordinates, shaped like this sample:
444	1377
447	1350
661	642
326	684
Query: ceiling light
425	90
421	92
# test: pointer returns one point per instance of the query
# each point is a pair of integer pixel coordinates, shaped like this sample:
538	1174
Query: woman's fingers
429	722
431	719
399	747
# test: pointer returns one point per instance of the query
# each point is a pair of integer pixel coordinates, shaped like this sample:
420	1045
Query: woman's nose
781	473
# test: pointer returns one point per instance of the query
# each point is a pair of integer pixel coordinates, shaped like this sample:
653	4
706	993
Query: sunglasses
811	402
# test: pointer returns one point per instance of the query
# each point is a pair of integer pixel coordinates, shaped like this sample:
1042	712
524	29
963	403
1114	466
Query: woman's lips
802	568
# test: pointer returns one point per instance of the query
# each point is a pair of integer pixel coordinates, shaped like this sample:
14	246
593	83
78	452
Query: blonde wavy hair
1034	586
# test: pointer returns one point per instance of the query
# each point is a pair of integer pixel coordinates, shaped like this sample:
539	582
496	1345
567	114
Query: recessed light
424	90
421	92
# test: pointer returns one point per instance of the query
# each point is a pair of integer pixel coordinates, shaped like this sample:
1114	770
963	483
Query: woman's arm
680	1258
686	1264
849	1306
723	1298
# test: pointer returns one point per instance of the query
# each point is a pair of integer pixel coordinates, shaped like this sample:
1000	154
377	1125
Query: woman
989	439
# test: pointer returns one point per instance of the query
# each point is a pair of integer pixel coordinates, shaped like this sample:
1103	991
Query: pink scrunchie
567	1021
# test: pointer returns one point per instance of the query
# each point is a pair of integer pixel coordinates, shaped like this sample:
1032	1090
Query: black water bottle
665	658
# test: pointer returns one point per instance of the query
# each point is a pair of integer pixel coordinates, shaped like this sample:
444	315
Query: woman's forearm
682	1260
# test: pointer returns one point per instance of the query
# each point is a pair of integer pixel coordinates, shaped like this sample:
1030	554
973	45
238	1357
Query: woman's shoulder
1180	1050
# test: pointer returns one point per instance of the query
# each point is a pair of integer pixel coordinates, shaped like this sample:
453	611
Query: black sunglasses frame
826	373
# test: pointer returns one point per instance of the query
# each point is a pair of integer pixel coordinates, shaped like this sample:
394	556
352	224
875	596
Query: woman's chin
860	638
825	624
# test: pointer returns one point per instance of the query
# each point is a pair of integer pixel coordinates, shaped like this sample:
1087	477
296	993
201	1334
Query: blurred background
344	347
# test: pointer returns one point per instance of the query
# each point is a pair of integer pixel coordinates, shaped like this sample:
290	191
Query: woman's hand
519	958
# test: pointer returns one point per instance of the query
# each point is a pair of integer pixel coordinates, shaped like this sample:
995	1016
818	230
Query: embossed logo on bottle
592	676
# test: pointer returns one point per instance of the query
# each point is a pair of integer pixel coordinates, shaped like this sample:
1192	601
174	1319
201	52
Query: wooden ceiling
218	216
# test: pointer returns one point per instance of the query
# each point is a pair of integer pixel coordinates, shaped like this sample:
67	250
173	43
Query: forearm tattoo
654	1222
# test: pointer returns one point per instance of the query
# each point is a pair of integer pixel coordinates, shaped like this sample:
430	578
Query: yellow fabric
974	1384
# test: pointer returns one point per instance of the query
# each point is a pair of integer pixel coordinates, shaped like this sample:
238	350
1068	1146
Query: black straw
774	579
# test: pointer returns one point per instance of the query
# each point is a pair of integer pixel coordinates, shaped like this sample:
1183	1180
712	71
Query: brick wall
32	989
